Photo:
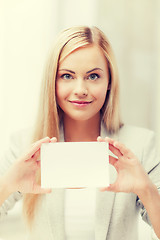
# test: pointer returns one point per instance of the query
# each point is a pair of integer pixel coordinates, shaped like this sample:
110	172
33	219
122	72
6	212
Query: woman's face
82	83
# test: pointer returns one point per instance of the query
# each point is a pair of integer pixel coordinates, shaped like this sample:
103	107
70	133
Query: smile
80	103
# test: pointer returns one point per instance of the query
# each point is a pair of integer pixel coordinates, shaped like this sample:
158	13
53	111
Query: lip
80	103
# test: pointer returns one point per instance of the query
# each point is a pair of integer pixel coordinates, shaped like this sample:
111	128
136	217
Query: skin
83	79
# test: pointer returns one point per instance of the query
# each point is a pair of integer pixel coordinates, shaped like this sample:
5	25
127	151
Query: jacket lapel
55	212
103	212
104	201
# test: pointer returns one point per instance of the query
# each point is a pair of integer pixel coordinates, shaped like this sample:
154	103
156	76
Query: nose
80	88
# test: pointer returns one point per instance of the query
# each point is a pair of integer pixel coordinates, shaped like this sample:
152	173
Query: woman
80	102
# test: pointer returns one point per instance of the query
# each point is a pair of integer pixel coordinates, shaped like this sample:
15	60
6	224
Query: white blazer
116	213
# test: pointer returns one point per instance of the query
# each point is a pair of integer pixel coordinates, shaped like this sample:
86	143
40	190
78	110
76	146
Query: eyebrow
94	70
67	70
75	73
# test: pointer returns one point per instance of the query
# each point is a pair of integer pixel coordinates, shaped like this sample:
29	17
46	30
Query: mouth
80	103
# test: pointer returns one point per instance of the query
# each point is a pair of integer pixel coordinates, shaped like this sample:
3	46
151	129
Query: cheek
62	91
100	94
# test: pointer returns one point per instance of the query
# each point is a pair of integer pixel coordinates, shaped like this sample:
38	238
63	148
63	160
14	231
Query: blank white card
74	164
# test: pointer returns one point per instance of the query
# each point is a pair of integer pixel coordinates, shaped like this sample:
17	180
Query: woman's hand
22	174
131	176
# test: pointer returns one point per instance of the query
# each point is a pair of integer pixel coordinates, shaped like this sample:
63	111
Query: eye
93	76
66	76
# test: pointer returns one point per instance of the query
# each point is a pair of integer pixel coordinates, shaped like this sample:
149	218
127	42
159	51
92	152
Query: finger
36	155
40	140
31	165
39	164
43	191
99	139
115	151
37	146
110	142
39	190
103	189
123	149
113	161
110	188
53	140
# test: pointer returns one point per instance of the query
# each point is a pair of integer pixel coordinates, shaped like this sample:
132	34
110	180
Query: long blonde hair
49	115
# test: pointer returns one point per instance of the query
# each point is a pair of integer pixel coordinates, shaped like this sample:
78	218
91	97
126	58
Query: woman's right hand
22	174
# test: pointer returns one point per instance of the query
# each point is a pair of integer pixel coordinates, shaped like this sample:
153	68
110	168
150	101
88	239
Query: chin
83	118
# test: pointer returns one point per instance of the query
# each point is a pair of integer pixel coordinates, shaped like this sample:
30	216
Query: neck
81	131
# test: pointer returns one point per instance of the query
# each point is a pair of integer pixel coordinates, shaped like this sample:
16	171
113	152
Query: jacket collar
104	200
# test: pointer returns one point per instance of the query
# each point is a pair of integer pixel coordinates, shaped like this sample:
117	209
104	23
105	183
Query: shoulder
127	132
141	141
23	134
134	132
132	135
18	144
21	139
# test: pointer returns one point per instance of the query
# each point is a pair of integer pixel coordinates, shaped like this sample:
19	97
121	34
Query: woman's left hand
131	176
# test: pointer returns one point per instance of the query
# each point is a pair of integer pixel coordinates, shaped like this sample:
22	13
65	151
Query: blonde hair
49	115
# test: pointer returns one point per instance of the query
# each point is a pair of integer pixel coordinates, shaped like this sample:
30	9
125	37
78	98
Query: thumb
39	190
110	188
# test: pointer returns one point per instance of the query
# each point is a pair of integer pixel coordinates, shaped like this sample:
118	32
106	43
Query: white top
80	213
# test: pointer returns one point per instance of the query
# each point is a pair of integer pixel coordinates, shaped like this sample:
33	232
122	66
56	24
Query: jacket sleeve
9	204
151	163
18	142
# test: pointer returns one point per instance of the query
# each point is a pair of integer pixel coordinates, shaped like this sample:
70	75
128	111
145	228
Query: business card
74	164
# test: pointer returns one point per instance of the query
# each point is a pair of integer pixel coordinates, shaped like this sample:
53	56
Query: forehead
88	56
